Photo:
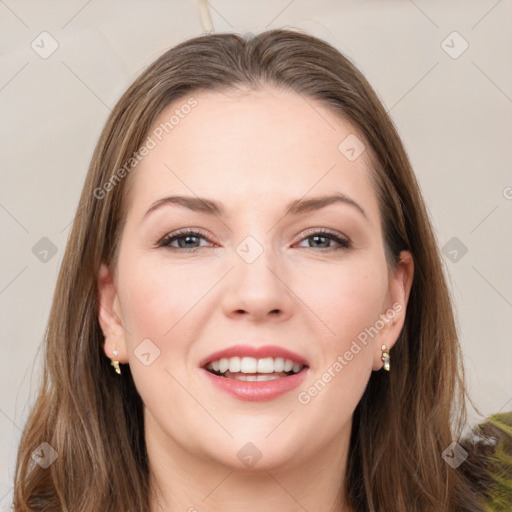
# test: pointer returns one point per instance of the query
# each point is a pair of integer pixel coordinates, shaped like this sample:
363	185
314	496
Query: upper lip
257	352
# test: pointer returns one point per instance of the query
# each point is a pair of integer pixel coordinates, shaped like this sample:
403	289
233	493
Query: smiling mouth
252	369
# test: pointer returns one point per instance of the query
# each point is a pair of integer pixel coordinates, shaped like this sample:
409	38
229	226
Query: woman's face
260	273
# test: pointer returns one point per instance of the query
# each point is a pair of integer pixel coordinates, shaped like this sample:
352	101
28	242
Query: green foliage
498	430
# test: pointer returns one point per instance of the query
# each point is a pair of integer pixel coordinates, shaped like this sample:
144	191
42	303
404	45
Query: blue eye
187	240
320	236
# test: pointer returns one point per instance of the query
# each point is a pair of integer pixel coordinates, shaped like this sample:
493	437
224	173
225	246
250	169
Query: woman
251	310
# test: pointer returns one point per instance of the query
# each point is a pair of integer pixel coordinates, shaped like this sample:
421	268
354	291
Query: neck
183	481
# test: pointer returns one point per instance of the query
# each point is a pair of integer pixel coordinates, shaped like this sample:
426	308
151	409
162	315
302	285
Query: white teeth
266	365
223	365
254	378
234	364
249	365
266	377
278	364
288	365
296	368
253	365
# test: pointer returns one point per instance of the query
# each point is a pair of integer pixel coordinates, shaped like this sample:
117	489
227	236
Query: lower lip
257	391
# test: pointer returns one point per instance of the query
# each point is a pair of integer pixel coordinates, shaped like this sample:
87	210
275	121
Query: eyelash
168	239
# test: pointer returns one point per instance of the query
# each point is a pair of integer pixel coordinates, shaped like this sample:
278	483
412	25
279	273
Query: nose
258	289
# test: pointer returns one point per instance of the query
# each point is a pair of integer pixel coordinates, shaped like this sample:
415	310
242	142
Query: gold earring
115	363
385	357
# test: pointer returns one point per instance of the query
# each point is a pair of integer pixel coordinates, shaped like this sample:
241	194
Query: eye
325	236
186	240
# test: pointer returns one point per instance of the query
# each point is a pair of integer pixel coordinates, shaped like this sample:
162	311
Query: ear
109	316
393	317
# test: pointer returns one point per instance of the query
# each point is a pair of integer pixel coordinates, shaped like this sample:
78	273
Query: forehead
265	144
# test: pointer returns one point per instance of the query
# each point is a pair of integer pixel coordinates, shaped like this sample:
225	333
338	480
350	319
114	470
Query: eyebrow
296	207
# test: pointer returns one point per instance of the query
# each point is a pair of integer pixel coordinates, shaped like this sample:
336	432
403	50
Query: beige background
454	115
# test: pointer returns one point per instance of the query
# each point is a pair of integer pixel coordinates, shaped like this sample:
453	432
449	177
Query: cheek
341	373
347	298
160	303
156	295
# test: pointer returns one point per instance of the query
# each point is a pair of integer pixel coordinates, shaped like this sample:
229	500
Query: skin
254	152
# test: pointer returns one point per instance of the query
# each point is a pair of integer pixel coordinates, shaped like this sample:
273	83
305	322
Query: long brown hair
93	418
